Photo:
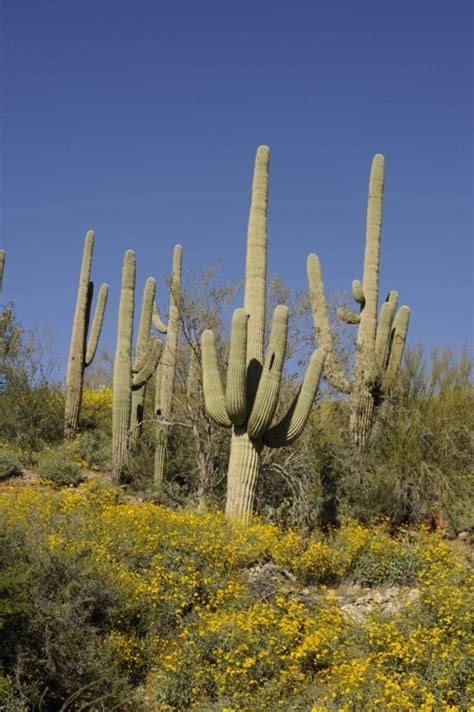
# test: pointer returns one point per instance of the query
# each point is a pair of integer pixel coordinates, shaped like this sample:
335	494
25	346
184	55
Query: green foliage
60	467
125	604
419	468
9	463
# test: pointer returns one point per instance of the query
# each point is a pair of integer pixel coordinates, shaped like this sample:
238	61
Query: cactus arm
384	328
157	322
97	322
151	361
144	325
358	292
292	424
266	398
348	316
397	347
333	372
235	393
2	267
214	399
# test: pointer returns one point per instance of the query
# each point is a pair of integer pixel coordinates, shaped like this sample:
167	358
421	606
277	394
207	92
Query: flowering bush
148	608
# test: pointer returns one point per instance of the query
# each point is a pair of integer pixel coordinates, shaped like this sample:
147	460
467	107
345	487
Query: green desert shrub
10	464
60	467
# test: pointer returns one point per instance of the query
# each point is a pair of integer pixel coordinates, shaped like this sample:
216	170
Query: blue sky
140	120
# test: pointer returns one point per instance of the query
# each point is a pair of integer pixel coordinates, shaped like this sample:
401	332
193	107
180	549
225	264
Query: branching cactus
144	340
250	399
82	349
166	372
128	377
380	343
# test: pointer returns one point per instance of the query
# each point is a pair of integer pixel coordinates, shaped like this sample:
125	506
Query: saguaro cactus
126	377
81	350
380	344
167	368
253	383
144	340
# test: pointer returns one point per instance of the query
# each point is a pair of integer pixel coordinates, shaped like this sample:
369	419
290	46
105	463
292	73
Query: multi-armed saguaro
128	377
380	345
253	383
167	368
82	351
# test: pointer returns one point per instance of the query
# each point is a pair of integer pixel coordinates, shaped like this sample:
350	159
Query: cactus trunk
165	383
244	465
122	376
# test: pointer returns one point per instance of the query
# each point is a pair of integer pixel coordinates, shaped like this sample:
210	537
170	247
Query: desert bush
60	466
419	468
10	464
110	598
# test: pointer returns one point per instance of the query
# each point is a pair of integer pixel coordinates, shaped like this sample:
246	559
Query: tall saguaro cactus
82	350
167	368
250	399
380	343
127	377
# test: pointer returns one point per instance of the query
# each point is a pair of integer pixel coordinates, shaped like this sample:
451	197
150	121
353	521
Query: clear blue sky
140	119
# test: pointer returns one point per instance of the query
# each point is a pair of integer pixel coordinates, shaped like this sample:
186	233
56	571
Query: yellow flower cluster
186	621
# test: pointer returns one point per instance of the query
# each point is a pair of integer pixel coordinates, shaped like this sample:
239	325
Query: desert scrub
9	463
61	465
123	596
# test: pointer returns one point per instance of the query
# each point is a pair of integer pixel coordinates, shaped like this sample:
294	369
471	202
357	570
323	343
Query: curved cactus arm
214	399
348	316
157	323
333	372
150	366
2	267
144	326
292	424
268	390
397	347
384	328
235	392
97	323
358	292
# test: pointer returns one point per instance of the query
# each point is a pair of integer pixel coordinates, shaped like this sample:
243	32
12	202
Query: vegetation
133	604
122	583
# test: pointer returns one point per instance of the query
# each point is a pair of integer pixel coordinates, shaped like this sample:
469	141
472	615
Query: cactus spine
126	377
167	368
253	383
82	351
380	343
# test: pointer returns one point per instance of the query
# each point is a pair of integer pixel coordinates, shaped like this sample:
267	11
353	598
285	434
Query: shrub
109	598
9	464
60	467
